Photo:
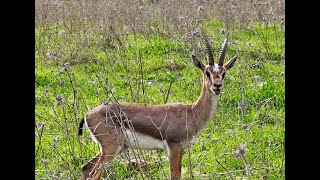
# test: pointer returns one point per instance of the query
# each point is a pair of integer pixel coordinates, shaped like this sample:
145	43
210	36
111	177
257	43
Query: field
88	53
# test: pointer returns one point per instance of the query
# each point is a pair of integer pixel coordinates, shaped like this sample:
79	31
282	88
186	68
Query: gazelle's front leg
175	152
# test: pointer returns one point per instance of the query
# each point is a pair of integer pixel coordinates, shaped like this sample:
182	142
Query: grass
80	68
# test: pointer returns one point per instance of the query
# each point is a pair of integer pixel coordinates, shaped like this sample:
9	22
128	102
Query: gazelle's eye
224	73
208	74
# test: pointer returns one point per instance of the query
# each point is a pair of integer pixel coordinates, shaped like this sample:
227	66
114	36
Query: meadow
88	53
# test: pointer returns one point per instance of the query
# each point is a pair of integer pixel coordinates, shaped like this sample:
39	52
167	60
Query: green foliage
251	109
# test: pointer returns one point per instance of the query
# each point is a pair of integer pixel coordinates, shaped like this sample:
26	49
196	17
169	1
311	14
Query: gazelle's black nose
217	85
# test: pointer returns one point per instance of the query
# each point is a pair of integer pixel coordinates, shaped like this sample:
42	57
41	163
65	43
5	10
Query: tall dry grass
169	17
114	20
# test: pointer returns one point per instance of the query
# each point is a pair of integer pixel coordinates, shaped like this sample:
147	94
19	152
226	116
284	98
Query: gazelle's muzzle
216	88
216	91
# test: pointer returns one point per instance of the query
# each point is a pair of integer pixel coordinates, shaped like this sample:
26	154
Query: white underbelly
137	140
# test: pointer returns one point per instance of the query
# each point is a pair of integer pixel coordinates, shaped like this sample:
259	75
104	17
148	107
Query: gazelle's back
158	121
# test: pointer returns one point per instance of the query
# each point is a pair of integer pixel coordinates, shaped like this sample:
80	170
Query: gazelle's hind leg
110	141
94	169
86	169
110	138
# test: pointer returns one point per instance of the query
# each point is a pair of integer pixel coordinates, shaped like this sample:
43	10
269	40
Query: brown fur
159	121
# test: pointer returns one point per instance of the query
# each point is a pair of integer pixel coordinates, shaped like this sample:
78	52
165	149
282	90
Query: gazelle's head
214	73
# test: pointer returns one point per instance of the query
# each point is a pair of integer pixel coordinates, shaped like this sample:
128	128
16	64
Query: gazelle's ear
197	62
231	63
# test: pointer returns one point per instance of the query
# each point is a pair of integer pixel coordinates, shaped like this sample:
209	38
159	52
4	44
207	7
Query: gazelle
117	126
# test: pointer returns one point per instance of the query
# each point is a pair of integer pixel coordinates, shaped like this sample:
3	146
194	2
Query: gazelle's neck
205	106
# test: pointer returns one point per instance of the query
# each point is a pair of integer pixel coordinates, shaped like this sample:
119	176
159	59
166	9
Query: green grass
258	123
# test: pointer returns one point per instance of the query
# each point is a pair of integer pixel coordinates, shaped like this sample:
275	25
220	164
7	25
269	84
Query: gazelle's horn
208	47
223	52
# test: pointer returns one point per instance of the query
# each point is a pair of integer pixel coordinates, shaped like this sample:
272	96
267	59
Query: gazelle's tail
80	127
